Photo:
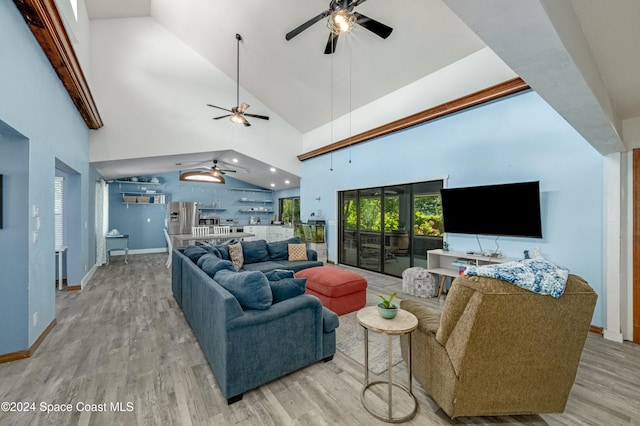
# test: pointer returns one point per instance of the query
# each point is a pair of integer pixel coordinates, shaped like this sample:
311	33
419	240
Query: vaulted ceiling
597	58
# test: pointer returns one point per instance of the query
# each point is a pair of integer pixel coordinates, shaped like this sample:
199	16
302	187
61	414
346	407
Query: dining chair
222	230
200	231
169	246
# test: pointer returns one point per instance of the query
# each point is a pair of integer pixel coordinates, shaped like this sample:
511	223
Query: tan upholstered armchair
498	349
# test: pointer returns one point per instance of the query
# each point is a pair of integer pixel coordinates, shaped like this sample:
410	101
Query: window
389	229
59	211
290	209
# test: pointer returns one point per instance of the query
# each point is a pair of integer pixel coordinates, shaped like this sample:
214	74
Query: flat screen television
511	209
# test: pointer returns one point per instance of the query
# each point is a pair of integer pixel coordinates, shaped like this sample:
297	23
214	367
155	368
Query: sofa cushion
223	249
236	255
255	251
261	266
297	252
195	252
287	288
299	265
205	257
212	264
278	274
250	288
279	250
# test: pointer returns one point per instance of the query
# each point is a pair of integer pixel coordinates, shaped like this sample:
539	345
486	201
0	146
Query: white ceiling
295	79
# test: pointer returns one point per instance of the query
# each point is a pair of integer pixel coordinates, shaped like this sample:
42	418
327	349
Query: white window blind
59	211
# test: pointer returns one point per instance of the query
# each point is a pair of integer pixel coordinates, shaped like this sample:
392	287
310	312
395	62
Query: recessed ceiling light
235	160
273	184
273	169
287	182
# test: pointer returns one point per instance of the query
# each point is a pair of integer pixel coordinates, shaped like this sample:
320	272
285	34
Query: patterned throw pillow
297	252
235	253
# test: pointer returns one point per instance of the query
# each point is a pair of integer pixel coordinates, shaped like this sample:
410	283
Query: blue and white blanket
537	275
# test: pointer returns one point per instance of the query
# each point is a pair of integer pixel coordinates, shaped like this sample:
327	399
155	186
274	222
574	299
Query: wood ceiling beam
45	23
489	94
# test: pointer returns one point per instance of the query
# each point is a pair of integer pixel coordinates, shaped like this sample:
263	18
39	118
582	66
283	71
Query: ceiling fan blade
378	28
331	44
245	122
356	3
264	117
243	107
291	34
227	171
222	116
224	109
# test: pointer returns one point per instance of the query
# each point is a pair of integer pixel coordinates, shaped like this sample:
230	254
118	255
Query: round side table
404	323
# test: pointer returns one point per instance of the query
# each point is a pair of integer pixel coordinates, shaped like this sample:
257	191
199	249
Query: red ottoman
339	290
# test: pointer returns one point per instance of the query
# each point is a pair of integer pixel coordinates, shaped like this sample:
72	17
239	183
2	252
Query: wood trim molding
74	287
47	26
489	94
596	329
26	353
636	245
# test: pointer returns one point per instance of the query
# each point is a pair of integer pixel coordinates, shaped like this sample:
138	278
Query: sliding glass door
388	229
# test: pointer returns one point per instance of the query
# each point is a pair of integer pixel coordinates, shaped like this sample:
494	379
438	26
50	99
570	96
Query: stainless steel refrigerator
182	216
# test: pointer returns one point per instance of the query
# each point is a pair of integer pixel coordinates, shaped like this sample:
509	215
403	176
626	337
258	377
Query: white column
614	249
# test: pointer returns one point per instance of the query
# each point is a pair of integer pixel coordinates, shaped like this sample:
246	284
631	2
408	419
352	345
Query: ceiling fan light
341	22
237	118
198	176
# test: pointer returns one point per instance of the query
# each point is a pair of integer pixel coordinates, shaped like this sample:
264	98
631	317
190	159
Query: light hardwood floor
124	339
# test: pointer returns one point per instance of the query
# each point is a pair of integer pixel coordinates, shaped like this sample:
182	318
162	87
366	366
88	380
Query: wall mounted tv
511	209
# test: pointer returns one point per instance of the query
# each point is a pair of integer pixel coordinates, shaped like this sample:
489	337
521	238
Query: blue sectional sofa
249	333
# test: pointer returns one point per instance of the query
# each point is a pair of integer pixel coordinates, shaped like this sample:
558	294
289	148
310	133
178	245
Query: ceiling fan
342	19
213	175
238	114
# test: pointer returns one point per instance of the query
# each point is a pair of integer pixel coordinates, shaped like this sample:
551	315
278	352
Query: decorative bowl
388	313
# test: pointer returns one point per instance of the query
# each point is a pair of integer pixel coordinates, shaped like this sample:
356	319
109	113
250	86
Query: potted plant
386	307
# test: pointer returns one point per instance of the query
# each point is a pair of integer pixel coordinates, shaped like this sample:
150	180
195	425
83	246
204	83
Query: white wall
434	89
153	90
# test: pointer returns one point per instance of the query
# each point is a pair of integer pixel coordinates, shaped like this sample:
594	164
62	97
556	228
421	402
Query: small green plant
387	301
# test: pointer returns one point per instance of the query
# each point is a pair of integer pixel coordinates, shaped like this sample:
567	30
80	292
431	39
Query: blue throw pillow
279	250
287	288
203	258
250	288
278	274
255	251
223	249
212	264
195	252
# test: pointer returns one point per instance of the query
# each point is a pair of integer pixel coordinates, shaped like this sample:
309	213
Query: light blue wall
36	105
516	139
144	223
14	239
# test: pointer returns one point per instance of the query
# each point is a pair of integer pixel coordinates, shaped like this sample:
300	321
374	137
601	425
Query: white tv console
442	263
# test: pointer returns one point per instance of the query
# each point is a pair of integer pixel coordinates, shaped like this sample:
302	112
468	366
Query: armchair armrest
428	321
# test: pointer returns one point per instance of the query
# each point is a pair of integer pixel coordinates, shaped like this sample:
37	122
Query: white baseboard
612	335
88	275
140	251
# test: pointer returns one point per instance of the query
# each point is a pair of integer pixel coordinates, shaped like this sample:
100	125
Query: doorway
388	229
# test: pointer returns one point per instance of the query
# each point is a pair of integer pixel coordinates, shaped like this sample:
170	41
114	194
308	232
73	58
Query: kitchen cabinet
269	233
